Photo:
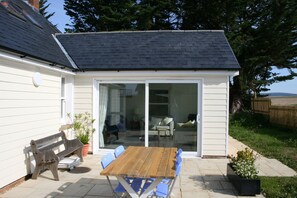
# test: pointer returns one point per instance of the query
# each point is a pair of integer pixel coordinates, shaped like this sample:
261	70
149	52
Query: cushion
166	120
155	122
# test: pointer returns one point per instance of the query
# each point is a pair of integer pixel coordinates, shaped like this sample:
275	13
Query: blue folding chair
177	163
164	189
105	161
119	151
165	184
179	152
136	183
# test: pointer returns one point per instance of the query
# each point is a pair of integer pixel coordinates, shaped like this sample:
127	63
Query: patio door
159	114
173	115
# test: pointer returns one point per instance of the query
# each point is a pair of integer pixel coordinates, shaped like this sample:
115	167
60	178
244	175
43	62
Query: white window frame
63	101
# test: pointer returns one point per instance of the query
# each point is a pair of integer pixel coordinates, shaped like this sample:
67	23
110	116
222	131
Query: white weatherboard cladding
215	100
26	112
215	115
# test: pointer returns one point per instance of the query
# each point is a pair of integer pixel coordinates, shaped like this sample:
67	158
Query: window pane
172	115
121	115
62	87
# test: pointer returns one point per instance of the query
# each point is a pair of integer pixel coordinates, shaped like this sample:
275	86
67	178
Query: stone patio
203	177
199	177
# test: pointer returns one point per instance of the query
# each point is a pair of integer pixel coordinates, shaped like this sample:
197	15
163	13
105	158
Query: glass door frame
199	117
199	111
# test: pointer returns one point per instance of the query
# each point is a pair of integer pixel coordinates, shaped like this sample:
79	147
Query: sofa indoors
161	126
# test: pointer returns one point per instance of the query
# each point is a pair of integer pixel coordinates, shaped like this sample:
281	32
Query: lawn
272	142
282	187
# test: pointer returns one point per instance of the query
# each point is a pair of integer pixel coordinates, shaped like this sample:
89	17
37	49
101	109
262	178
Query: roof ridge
140	31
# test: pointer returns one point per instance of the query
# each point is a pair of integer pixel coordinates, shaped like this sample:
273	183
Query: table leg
151	187
127	186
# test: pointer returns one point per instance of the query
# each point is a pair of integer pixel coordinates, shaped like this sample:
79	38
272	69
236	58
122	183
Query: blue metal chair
164	189
105	161
179	152
166	184
136	183
118	151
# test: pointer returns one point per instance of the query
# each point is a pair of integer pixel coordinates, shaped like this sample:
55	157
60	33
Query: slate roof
29	35
150	50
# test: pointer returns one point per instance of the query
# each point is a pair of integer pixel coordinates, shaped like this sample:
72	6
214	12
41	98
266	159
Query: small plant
83	126
244	164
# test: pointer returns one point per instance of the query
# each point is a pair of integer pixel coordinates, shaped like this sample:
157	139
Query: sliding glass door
172	110
172	115
121	115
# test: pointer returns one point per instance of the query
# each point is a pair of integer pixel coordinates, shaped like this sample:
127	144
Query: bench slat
43	141
51	146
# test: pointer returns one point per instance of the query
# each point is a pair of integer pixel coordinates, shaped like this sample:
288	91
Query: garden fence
280	115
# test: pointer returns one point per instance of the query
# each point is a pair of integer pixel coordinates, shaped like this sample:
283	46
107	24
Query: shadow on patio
203	177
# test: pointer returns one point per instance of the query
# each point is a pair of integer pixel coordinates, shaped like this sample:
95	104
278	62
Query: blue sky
61	19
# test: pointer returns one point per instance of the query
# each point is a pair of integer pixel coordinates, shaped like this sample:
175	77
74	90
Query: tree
156	15
100	15
42	9
261	33
112	15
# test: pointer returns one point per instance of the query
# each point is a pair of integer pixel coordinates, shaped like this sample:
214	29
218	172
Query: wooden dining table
145	163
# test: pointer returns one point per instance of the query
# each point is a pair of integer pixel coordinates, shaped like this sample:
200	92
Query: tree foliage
42	9
262	33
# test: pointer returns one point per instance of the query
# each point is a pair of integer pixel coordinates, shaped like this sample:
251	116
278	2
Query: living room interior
172	115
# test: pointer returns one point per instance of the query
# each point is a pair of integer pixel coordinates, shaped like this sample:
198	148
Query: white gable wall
26	112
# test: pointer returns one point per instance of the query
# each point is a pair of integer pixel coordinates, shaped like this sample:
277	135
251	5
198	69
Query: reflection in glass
121	115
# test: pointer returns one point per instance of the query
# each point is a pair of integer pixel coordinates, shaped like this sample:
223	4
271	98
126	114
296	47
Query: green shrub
244	164
83	126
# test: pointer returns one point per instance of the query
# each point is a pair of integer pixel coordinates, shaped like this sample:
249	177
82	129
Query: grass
282	187
270	141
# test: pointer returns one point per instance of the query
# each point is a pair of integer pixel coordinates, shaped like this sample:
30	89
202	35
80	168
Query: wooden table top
144	162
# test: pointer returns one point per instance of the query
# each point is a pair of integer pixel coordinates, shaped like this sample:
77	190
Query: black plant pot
244	187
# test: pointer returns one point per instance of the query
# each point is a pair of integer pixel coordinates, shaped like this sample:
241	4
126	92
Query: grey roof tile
24	37
157	50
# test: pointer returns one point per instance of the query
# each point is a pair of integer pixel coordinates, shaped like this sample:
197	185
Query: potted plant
83	128
242	173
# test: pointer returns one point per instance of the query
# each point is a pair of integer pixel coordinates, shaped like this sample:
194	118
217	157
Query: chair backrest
106	160
178	160
178	168
118	151
179	152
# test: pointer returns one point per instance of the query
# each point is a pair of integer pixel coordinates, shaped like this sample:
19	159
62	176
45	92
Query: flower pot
85	150
244	187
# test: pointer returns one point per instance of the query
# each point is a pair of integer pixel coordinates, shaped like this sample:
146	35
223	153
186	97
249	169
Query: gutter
18	59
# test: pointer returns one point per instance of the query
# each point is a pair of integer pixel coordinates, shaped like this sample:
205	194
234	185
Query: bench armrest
45	157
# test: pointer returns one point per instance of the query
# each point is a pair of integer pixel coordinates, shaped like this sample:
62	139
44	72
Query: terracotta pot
85	150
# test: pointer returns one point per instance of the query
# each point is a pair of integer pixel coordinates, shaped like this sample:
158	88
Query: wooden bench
50	150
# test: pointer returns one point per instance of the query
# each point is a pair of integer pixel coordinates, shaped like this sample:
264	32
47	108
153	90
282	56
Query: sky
61	19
